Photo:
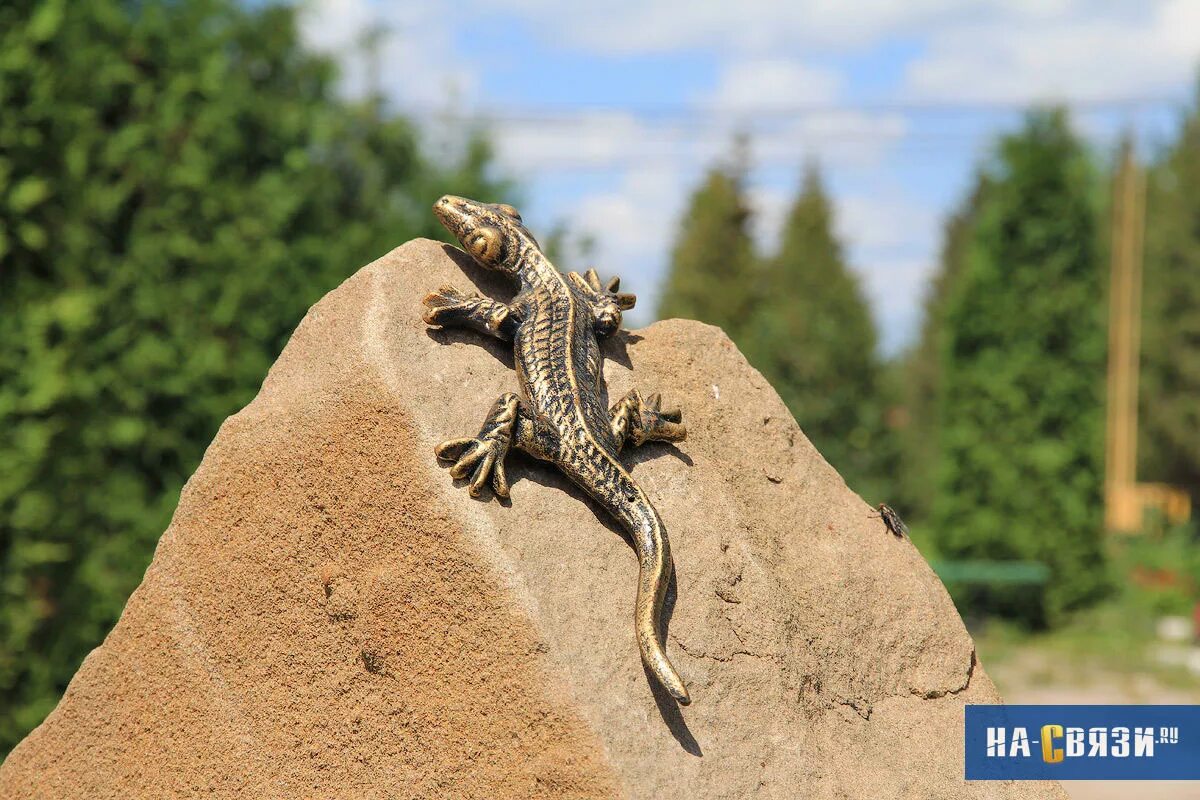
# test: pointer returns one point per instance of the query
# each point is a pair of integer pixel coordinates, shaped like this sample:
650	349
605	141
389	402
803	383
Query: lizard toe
662	426
500	479
442	305
467	462
480	476
477	460
451	449
670	432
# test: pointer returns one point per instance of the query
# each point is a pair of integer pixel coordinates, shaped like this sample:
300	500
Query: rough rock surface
329	616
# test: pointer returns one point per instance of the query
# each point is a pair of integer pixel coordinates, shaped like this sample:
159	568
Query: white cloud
585	140
616	140
658	158
767	83
835	138
891	239
770	205
702	132
789	111
894	287
770	57
978	50
412	66
888	220
335	26
633	226
1141	49
749	26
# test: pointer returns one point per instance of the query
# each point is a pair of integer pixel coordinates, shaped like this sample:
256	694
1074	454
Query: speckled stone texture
329	616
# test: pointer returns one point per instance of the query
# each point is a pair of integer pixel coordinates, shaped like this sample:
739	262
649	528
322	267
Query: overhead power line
774	111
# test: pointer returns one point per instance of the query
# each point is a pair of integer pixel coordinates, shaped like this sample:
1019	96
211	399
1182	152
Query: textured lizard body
553	323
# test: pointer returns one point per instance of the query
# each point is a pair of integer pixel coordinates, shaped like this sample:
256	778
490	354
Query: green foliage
917	377
1161	571
811	334
1170	384
178	183
1160	574
712	268
1022	369
799	317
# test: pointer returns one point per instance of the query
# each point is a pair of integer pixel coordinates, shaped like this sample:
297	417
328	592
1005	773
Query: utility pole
1123	507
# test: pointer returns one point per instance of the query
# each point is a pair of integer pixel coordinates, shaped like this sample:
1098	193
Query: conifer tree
813	337
1170	380
178	183
712	269
1022	368
919	375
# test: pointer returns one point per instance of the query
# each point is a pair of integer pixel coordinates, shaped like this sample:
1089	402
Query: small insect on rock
892	520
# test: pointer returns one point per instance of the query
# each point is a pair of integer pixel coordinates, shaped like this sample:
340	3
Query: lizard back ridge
554	323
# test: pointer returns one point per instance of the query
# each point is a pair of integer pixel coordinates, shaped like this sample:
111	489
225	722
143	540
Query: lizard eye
484	244
505	208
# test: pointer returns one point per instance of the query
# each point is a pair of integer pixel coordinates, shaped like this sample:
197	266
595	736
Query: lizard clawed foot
610	290
445	302
655	425
483	456
448	307
480	458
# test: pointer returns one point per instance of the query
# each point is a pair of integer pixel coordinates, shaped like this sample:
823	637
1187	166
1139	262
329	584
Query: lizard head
490	233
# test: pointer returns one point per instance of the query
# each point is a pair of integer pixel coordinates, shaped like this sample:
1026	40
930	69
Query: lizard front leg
639	421
484	455
449	307
607	300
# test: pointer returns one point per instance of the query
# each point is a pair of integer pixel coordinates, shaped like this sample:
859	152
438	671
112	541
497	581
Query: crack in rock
933	694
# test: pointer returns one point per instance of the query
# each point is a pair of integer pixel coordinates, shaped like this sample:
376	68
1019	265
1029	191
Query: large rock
329	616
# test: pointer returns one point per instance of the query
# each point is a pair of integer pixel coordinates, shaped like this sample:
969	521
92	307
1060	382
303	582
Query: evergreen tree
811	335
178	183
1170	381
712	269
1022	368
919	377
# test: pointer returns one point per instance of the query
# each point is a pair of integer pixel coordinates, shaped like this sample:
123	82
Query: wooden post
1123	507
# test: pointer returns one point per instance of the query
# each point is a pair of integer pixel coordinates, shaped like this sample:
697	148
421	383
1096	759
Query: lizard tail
654	560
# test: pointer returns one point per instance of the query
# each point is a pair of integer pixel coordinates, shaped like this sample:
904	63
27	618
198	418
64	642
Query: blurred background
962	239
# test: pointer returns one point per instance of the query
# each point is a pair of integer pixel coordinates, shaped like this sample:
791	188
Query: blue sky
609	113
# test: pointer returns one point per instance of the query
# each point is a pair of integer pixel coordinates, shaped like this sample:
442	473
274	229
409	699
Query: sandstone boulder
328	616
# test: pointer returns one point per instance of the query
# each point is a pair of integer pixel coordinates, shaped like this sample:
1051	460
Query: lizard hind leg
638	421
483	456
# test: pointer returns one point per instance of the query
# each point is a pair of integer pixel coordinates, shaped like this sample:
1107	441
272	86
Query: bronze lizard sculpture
553	323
